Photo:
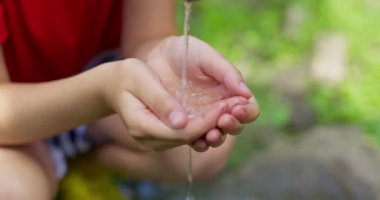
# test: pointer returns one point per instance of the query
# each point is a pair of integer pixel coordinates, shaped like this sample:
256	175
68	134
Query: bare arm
145	23
33	111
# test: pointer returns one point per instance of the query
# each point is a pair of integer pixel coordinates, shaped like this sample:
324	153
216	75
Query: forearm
142	50
33	111
145	23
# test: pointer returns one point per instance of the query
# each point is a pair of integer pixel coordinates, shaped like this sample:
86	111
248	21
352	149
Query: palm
202	89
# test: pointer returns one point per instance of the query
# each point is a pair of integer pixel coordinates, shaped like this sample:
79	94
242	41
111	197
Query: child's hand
211	79
153	117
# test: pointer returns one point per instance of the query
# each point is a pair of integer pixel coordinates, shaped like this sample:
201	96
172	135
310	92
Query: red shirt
50	39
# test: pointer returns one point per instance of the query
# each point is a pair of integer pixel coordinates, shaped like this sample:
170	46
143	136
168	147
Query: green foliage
273	111
252	31
243	29
357	100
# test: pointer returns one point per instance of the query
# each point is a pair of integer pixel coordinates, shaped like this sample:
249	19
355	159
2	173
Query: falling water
185	85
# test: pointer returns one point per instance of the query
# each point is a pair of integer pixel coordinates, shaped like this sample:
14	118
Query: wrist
103	80
116	77
142	50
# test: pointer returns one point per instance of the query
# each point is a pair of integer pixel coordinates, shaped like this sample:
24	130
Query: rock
328	64
303	115
302	178
326	163
348	145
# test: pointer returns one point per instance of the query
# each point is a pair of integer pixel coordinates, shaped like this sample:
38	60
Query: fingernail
244	88
177	118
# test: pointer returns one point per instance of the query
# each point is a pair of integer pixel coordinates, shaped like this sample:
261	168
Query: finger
203	122
229	124
216	66
215	138
200	145
142	122
146	85
236	100
152	128
246	113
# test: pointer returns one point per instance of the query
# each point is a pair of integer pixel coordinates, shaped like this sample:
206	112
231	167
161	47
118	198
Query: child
132	102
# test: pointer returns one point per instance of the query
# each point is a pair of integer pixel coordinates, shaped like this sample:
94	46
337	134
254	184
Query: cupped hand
135	92
210	79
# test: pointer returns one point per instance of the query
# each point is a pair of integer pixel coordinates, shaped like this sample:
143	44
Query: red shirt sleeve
53	39
3	27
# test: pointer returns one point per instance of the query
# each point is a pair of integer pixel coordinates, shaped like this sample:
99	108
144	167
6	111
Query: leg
26	172
153	165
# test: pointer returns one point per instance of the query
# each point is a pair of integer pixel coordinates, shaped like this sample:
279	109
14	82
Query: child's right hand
153	117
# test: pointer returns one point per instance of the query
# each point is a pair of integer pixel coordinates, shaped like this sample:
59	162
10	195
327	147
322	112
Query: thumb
223	71
147	86
215	65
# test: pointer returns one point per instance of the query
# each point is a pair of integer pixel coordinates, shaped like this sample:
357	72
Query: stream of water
185	85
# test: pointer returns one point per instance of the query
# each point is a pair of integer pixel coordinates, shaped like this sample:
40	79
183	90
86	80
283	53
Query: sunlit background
314	66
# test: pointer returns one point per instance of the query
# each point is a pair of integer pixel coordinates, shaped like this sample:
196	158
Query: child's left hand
211	78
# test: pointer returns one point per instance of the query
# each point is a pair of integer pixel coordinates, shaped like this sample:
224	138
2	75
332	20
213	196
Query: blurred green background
254	36
275	43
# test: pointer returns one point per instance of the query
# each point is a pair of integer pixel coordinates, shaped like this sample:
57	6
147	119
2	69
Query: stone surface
303	114
326	163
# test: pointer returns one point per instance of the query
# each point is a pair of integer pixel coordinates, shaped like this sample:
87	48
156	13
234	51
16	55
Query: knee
23	178
212	163
21	188
208	172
